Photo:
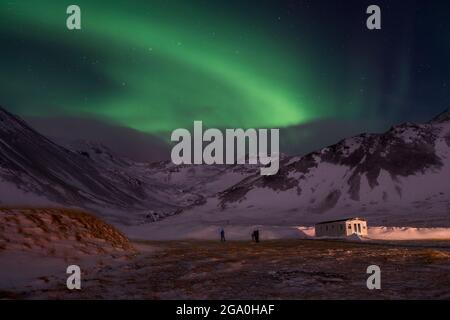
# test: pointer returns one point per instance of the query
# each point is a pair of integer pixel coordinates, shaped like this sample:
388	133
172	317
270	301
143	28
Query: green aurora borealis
159	65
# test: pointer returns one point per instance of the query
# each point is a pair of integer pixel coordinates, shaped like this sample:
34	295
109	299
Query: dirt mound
59	232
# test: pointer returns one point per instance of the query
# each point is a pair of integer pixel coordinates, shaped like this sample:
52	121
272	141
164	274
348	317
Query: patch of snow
408	233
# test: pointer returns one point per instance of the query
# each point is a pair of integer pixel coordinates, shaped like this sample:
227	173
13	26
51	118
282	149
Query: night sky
159	65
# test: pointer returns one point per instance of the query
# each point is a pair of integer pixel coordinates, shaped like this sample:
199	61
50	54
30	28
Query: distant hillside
400	177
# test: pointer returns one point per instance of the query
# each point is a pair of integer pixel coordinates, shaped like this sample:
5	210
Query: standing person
253	235
257	235
222	235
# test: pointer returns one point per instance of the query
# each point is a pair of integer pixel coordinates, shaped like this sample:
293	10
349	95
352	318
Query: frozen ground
175	228
277	269
188	261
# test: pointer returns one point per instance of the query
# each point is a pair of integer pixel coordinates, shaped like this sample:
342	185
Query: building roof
340	220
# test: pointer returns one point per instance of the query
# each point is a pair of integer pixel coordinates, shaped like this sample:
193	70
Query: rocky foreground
279	269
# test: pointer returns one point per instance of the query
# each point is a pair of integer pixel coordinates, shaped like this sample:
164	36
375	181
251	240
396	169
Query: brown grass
63	223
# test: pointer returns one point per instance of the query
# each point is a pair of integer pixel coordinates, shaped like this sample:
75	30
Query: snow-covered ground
193	231
279	269
408	233
211	232
37	245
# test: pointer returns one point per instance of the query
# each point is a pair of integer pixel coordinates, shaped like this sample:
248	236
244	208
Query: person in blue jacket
222	235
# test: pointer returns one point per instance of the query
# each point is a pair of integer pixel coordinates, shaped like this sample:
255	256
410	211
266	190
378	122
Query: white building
342	228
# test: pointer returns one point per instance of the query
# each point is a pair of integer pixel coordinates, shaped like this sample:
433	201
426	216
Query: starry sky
154	66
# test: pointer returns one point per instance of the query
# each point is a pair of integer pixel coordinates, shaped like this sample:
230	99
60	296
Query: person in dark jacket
256	235
222	235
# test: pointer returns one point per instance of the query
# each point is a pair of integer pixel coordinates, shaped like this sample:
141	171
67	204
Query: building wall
356	226
335	229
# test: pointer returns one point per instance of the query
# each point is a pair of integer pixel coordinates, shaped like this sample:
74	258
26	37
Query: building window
350	226
341	227
359	227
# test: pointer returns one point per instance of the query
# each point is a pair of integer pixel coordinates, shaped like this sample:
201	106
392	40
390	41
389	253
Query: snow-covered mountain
206	180
401	177
35	171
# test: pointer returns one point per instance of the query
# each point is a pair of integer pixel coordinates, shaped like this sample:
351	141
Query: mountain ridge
380	175
386	176
442	117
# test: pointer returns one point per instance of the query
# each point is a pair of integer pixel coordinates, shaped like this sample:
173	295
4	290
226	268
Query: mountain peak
442	117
